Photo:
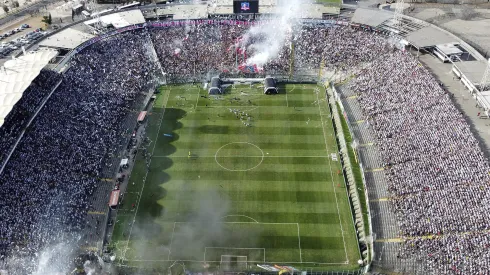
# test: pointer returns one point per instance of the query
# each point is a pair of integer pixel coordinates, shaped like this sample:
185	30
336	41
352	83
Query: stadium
285	140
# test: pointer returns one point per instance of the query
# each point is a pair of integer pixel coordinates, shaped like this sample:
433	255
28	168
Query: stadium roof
66	39
449	49
120	19
186	11
230	2
430	36
316	10
472	70
371	17
17	74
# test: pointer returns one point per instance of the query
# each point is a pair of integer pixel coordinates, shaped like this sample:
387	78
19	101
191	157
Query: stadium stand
419	150
71	142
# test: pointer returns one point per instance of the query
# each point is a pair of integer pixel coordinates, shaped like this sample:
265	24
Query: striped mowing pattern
217	187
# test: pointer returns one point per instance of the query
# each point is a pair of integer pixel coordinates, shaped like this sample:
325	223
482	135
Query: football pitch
236	180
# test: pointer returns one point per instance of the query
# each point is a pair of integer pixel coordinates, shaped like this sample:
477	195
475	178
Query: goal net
233	263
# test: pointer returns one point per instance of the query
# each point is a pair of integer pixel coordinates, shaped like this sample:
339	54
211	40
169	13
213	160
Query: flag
249	68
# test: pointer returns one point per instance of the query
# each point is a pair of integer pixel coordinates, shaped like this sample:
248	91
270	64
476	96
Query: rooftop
17	74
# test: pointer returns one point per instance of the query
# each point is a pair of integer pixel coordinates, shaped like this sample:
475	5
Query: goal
233	263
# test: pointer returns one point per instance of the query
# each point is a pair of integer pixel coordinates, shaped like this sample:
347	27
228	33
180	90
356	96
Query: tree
47	19
5	8
15	4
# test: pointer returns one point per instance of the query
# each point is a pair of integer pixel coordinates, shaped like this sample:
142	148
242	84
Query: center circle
239	156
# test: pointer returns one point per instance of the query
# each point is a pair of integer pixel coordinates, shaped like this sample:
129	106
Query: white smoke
89	268
55	259
266	41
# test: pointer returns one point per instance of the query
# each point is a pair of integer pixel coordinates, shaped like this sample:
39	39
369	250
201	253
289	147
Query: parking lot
23	33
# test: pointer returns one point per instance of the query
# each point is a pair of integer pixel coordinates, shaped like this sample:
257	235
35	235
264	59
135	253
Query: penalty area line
271	223
237	248
265	156
171	241
195	261
299	244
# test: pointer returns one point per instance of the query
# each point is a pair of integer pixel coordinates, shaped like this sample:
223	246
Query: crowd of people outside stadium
438	175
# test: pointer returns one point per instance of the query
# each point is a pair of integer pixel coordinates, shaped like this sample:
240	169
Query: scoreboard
246	6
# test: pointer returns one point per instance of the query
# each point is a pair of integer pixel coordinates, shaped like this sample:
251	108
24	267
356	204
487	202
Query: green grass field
219	192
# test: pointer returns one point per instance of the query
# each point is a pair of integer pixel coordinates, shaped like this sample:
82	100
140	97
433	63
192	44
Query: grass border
356	168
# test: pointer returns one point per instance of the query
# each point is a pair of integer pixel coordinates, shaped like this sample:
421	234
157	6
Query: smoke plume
265	42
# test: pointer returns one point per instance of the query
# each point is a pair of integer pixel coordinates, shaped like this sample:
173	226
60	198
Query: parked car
25	26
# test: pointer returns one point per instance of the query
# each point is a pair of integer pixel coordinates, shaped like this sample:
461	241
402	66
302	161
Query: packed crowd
437	173
336	48
24	109
46	185
197	50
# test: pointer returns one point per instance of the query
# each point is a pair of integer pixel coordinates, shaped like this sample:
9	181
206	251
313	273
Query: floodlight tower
397	16
95	10
486	77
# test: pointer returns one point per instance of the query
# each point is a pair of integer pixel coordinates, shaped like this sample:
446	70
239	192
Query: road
28	10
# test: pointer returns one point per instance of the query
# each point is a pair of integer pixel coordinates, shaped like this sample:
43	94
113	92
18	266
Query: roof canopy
429	37
66	39
371	17
17	74
449	49
120	19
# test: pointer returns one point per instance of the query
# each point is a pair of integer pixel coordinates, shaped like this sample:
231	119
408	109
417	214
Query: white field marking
273	223
265	156
197	100
215	247
171	240
252	109
231	106
242	106
287	101
299	244
125	215
240	216
194	261
146	175
333	184
242	170
279	223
